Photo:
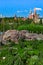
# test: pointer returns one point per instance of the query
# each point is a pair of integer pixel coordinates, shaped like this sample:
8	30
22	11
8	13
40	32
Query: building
34	16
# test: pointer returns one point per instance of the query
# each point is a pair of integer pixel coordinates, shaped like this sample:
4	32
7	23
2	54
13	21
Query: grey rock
15	35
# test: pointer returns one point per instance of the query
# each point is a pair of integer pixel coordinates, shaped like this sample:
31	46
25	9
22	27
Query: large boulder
24	34
12	35
15	35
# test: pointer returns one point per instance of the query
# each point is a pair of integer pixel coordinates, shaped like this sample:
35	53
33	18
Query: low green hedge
31	28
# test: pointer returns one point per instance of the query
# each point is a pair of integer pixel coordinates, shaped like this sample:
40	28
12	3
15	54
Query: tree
40	21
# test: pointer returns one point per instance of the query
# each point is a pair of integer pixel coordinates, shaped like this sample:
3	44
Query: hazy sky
19	7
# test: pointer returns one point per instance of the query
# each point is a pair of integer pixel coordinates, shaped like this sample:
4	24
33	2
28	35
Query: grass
29	53
31	28
25	52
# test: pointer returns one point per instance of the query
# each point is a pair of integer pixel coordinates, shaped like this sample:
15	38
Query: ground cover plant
23	53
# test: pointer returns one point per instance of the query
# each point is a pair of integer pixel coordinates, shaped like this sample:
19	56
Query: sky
19	7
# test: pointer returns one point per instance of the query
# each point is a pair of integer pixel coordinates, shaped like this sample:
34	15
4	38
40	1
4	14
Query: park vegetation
25	52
